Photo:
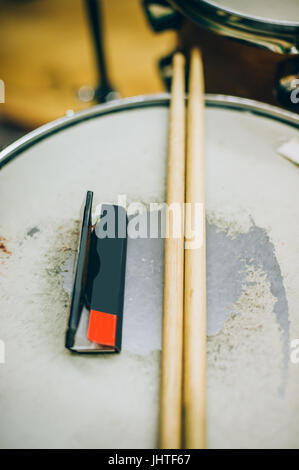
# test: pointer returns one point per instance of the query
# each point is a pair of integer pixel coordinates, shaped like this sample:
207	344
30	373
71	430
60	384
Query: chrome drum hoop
161	99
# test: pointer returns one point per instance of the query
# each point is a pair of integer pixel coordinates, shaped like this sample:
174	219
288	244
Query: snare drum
50	397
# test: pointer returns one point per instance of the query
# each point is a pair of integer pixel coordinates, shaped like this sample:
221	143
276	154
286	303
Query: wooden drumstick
172	340
195	266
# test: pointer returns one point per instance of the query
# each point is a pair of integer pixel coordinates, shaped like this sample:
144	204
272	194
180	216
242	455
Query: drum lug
165	67
161	15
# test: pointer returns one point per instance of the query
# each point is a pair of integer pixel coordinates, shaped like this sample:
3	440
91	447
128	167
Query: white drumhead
268	10
52	398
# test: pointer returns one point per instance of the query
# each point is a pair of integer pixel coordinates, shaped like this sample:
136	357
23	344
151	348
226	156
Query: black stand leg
104	91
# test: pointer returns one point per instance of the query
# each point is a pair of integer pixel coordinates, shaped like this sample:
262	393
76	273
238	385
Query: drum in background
51	398
269	24
265	34
286	15
46	77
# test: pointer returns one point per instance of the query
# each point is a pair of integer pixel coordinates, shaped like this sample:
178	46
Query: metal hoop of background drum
262	63
52	398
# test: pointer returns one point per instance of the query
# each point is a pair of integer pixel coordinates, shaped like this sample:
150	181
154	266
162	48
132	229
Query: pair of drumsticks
183	383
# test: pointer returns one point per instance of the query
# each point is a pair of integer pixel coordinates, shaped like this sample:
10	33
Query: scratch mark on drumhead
31	232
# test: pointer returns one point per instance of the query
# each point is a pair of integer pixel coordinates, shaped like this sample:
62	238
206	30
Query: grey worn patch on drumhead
143	295
227	258
227	261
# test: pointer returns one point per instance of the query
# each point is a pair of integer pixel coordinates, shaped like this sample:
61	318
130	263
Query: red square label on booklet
102	328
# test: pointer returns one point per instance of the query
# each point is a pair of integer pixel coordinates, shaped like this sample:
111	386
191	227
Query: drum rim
254	18
142	101
258	20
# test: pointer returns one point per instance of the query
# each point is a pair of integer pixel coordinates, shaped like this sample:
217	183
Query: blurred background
49	62
62	55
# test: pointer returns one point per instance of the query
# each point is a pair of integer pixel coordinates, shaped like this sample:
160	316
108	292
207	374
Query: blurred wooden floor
46	55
